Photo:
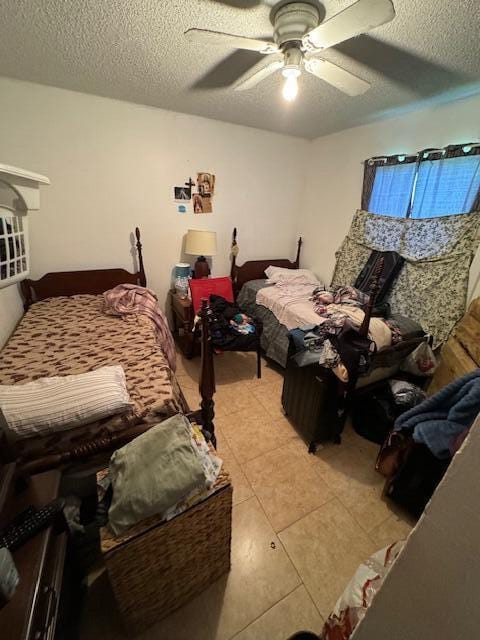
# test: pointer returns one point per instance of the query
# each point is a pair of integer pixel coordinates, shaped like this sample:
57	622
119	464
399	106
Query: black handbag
356	351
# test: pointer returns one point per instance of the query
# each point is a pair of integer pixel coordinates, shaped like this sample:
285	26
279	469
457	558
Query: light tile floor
301	523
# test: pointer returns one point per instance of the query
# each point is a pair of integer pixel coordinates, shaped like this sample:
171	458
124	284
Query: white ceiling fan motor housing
293	57
292	21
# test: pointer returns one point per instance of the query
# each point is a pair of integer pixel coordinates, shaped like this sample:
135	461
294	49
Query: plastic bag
405	394
352	605
421	362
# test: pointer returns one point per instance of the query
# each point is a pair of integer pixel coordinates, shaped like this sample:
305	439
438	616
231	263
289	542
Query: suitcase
309	399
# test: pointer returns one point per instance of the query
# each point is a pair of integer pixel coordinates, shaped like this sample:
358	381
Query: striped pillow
61	403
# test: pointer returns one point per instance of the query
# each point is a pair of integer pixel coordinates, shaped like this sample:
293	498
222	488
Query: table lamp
201	244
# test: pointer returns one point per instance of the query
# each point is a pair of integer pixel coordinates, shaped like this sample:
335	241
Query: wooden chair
204	288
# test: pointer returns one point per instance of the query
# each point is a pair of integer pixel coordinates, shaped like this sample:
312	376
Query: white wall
113	165
335	173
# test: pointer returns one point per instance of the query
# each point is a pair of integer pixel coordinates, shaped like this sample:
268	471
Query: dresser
32	612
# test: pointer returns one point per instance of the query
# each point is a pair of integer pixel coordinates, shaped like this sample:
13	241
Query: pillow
280	274
61	403
153	472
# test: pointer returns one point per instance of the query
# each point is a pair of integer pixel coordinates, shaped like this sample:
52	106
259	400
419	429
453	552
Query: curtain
432	285
368	180
427	184
446	186
392	190
376	169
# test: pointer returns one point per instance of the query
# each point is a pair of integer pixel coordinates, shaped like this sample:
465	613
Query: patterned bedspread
61	336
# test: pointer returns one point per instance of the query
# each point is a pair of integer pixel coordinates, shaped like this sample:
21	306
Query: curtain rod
425	153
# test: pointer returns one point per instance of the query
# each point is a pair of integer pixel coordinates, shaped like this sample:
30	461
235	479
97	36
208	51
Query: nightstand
183	317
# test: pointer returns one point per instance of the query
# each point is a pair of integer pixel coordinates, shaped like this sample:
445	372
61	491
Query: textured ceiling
135	51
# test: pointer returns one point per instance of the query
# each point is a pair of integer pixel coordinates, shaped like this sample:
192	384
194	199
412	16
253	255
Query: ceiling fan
298	39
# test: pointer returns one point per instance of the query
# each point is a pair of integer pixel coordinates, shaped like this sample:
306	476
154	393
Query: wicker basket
158	566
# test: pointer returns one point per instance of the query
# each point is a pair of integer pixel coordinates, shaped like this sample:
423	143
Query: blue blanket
438	420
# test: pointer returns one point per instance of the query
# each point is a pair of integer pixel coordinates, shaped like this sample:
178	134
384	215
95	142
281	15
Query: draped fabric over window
429	184
432	285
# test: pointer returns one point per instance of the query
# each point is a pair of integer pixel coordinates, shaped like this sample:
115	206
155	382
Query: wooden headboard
255	269
93	281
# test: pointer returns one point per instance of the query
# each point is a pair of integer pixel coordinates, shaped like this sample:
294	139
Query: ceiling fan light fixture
291	72
299	34
290	86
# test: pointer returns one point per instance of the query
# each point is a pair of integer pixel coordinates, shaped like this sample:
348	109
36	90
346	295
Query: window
446	186
13	248
392	189
430	188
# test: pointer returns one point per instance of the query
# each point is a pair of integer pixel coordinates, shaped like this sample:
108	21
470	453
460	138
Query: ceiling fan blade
360	17
259	72
336	76
230	40
246	4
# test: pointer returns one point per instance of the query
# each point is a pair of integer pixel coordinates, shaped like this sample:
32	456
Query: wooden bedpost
141	271
299	247
233	269
375	286
346	390
207	373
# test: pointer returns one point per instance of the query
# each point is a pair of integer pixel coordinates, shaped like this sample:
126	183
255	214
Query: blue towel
438	420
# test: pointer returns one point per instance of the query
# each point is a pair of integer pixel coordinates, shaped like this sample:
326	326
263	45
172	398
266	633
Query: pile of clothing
163	472
340	308
339	294
442	422
418	451
231	329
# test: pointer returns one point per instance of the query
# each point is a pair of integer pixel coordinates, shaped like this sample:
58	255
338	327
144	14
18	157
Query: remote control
29	523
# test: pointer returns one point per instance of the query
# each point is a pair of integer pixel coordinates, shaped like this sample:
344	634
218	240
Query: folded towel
154	472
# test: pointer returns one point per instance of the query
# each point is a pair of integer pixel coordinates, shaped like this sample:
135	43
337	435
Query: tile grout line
319	506
362	527
255	457
267	610
303	582
278	539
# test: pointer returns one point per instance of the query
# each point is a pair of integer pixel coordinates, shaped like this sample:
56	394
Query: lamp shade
201	243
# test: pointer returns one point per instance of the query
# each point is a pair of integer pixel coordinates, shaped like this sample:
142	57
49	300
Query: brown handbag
393	453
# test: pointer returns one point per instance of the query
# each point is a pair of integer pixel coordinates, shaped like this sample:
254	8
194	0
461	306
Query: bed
65	331
249	279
